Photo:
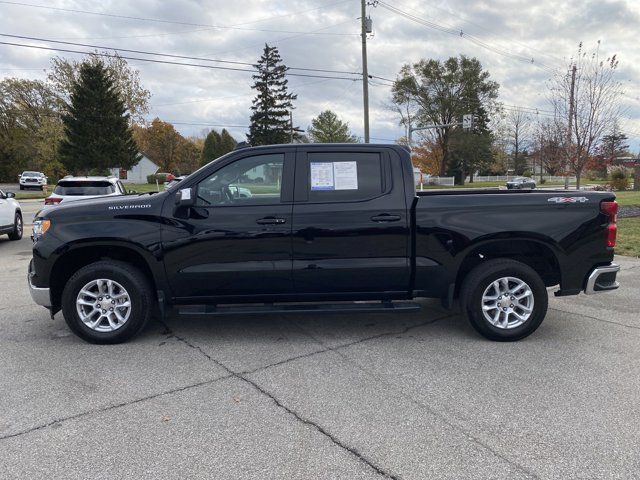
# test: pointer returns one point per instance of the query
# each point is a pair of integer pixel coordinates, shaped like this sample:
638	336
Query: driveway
409	396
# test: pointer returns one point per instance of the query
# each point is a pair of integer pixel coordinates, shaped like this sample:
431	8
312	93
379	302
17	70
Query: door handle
385	217
270	221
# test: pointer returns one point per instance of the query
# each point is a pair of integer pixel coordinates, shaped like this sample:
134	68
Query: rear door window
344	176
75	188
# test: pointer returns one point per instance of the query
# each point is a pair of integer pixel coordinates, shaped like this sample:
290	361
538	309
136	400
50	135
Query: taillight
610	209
52	201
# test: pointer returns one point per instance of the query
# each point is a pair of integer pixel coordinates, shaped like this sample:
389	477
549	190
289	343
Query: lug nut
511	305
100	298
513	298
504	308
111	309
104	311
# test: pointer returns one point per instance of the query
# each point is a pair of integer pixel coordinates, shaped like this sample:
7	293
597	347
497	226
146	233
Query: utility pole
573	85
291	127
365	70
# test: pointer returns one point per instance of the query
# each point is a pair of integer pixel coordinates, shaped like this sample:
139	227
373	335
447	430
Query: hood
105	205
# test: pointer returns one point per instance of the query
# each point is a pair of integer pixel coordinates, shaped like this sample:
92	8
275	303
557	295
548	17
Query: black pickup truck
291	228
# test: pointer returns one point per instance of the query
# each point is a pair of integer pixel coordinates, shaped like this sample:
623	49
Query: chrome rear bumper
602	279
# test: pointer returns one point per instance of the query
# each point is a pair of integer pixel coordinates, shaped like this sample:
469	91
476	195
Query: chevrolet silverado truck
326	228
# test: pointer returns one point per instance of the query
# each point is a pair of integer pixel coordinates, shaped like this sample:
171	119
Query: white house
138	173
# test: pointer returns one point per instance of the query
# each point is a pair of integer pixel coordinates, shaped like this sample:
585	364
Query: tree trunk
636	178
578	173
470	177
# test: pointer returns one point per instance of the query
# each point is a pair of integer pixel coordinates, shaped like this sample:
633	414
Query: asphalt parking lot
409	396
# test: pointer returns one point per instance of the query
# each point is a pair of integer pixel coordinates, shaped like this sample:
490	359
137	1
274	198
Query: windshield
32	174
73	188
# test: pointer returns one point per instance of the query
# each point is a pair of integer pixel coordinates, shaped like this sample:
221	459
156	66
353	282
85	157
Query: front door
236	239
350	222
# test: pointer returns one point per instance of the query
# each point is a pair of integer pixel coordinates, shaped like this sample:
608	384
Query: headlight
40	227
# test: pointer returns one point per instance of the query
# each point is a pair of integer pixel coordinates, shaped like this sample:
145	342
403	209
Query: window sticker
334	176
345	175
322	176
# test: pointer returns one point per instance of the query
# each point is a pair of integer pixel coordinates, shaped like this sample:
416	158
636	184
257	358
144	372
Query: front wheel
107	302
18	228
505	300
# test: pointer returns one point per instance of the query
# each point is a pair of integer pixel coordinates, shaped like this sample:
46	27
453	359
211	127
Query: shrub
526	173
161	178
543	180
619	179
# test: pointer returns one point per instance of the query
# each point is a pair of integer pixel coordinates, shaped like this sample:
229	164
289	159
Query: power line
464	35
184	57
166	62
174	22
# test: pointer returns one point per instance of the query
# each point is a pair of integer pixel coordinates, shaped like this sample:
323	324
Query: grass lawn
628	237
630	197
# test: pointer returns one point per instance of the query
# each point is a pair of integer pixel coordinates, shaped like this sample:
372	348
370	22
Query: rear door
350	221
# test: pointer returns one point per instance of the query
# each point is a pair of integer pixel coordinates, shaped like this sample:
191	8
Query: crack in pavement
115	406
241	376
595	318
399	392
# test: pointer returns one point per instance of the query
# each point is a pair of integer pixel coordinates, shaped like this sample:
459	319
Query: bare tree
518	124
548	145
595	108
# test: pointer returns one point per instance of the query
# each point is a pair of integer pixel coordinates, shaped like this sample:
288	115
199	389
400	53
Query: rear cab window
343	176
77	188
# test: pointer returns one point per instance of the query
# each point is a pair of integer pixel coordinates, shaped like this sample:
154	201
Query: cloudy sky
521	44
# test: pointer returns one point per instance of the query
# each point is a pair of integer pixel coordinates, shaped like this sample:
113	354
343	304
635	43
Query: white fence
504	178
444	181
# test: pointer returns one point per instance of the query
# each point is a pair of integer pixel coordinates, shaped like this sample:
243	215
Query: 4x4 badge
568	199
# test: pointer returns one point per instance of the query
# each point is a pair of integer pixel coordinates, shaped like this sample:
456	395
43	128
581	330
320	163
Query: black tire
21	187
135	283
18	227
484	275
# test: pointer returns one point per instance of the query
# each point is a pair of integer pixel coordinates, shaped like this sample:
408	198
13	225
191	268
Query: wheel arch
81	255
541	255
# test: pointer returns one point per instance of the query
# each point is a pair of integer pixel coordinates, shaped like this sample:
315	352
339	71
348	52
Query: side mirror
185	197
131	192
10	195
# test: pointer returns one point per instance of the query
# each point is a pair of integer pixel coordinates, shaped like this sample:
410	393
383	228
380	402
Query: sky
522	44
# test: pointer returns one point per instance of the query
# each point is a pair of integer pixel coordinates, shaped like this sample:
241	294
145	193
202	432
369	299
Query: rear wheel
504	299
21	187
18	228
107	302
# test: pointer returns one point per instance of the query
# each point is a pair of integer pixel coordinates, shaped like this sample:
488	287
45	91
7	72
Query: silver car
521	183
79	188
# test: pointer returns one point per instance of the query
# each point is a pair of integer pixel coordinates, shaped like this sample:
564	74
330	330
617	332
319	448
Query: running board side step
263	309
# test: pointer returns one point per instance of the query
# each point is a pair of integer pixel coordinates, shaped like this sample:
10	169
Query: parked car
10	216
520	183
333	223
32	180
80	188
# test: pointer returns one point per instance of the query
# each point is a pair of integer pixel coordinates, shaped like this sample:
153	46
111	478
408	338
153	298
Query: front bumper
602	279
42	296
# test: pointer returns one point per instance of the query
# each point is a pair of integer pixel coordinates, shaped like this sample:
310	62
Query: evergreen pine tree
328	128
211	147
227	142
97	133
272	104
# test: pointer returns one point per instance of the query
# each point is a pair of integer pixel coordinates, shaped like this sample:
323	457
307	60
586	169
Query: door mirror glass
10	195
185	197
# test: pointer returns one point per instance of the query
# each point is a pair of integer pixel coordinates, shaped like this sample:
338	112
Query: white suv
32	179
10	216
78	188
